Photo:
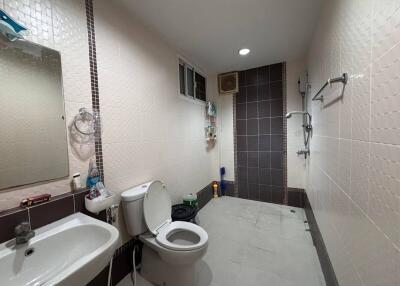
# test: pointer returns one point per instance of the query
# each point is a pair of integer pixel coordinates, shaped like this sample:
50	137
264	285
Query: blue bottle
93	175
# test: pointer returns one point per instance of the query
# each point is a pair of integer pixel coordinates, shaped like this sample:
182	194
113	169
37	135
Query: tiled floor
255	243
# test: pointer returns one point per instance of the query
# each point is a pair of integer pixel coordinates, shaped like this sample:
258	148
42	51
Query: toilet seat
185	236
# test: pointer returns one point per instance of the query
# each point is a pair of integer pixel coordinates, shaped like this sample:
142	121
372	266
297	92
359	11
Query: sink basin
70	251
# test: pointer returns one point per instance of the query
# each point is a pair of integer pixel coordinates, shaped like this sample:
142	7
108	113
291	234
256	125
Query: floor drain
292	211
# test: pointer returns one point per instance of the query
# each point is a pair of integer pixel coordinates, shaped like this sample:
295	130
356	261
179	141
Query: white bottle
76	181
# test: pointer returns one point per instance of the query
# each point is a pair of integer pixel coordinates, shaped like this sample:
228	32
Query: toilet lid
156	206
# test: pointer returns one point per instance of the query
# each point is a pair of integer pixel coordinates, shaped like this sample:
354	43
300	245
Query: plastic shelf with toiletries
99	198
210	122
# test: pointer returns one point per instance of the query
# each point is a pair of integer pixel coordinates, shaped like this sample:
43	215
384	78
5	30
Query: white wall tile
384	189
385	31
296	165
361	33
361	106
373	255
36	16
359	173
385	100
357	208
149	131
344	165
346	112
225	135
60	25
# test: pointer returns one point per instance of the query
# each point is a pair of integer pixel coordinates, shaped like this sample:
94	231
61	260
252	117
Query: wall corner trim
324	260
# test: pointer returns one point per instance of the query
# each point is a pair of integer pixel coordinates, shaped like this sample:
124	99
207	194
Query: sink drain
29	251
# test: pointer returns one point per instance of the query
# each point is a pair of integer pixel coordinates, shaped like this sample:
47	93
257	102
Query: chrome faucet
23	233
304	152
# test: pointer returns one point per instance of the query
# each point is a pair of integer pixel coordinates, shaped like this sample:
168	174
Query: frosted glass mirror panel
33	141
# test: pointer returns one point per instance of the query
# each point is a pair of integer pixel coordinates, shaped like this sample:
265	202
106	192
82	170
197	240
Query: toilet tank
132	205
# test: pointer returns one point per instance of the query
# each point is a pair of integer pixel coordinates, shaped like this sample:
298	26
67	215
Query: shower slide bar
343	79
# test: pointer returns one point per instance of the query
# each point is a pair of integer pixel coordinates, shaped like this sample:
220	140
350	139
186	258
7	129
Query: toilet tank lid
135	193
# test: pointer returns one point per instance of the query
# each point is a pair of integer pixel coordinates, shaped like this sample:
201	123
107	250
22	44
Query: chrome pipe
343	79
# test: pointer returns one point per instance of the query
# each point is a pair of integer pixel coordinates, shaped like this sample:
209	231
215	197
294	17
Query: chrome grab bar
343	79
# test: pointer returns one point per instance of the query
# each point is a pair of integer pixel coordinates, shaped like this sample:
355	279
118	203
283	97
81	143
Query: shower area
260	134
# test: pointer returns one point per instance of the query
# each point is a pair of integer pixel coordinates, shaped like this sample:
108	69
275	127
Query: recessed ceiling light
244	52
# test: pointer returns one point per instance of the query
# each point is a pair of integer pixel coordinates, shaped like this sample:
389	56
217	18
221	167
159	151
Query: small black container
183	212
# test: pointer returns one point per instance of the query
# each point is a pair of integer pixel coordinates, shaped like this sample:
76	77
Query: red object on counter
35	200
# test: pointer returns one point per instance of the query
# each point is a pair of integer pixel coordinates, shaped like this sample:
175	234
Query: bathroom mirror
33	136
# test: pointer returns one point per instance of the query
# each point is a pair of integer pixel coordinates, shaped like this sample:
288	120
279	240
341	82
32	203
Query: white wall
225	135
149	131
354	168
296	165
60	25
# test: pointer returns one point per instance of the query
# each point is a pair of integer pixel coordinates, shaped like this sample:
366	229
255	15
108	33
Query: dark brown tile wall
296	197
9	220
260	134
101	279
204	196
122	264
57	208
229	189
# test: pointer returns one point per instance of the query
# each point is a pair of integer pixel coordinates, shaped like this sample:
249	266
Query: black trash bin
183	212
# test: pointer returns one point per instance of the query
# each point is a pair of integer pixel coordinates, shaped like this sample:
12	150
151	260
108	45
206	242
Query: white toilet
171	249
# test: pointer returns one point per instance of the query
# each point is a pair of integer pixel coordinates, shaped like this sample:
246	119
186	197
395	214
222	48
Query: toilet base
158	272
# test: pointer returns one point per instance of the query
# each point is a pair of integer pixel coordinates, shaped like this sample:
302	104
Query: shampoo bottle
93	175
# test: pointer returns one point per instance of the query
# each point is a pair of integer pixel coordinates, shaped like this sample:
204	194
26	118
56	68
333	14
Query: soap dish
98	204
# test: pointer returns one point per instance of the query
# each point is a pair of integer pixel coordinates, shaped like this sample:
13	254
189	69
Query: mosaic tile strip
94	81
284	155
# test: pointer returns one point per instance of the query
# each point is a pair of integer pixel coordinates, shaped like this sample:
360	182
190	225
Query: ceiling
209	33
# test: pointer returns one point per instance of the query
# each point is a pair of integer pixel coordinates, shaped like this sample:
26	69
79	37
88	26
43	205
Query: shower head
289	114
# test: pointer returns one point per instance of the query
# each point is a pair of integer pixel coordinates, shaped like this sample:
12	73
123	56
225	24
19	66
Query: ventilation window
182	79
192	83
200	86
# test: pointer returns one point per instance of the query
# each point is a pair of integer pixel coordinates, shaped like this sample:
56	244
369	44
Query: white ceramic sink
71	251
